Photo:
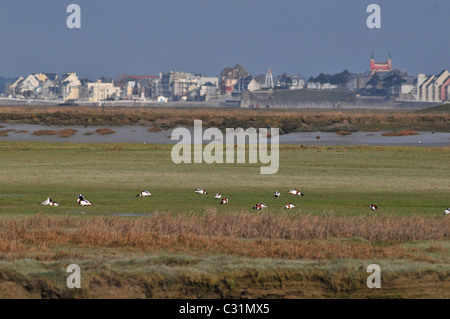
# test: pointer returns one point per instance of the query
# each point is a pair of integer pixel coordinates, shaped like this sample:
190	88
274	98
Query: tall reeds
257	235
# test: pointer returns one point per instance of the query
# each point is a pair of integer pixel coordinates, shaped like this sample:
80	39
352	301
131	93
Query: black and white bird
49	202
260	206
296	192
83	202
289	206
217	196
276	194
447	211
224	201
373	207
201	191
144	194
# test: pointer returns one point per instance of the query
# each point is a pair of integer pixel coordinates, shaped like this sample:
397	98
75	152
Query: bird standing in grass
289	206
201	191
217	196
373	207
276	194
224	201
447	211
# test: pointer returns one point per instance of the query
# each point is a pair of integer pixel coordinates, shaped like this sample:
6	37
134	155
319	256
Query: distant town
380	80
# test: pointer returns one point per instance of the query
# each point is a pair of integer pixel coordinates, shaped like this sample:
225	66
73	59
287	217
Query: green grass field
338	180
172	260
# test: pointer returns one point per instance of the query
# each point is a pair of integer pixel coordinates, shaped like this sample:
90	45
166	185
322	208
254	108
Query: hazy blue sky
203	36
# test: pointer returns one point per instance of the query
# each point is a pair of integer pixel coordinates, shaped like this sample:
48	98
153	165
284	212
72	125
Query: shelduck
447	211
373	207
276	194
49	202
296	192
289	206
144	194
217	196
260	206
83	202
201	191
224	201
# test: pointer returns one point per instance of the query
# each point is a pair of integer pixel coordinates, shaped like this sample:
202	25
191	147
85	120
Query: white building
97	91
440	79
321	86
162	99
254	85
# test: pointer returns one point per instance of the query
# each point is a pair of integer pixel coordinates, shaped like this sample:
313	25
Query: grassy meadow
178	244
336	180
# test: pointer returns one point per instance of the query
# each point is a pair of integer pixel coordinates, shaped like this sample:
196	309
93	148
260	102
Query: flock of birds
81	201
257	206
295	192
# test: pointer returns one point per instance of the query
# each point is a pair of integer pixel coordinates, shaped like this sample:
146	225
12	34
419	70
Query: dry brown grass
154	128
400	133
45	132
5	132
287	120
66	132
343	133
105	131
61	133
244	234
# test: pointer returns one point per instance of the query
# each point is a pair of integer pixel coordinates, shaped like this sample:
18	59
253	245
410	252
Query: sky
146	37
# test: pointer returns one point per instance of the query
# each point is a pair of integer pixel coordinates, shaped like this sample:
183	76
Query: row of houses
427	88
185	86
69	87
380	79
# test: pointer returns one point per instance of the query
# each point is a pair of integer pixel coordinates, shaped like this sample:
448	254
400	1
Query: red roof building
376	67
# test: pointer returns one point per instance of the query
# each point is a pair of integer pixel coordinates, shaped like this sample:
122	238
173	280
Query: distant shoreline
18	132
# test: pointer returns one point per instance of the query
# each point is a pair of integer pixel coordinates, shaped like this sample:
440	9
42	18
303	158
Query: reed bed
155	128
400	133
61	133
255	235
105	131
5	132
287	120
344	133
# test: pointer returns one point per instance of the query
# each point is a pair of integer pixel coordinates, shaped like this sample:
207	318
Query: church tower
372	62
376	67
